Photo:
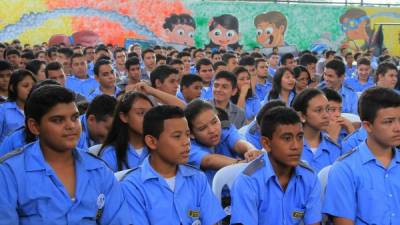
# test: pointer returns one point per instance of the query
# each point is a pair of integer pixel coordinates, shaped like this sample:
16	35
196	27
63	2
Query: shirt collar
147	171
366	154
269	170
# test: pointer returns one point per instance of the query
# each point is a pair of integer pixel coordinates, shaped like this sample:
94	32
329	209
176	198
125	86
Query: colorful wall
200	23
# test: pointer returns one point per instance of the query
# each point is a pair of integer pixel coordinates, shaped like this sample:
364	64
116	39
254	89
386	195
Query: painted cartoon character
180	29
85	38
224	32
356	25
271	27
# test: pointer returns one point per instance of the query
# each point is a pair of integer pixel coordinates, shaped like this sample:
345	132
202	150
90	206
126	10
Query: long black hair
238	70
277	82
118	137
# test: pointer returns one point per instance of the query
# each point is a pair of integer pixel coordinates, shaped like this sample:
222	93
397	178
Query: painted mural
213	24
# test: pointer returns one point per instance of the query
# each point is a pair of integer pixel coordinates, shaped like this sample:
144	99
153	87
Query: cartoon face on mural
86	38
271	27
180	29
58	39
224	32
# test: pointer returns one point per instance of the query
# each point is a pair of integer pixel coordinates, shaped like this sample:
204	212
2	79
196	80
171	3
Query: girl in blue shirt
124	147
12	112
283	85
245	97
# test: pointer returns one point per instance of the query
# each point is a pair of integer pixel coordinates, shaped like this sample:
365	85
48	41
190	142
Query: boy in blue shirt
264	81
363	186
190	88
105	76
79	81
163	190
362	80
277	188
386	75
50	181
205	70
5	74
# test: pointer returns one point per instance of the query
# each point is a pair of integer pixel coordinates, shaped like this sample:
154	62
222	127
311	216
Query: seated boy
363	80
225	86
50	181
363	186
97	121
163	190
190	88
105	75
277	188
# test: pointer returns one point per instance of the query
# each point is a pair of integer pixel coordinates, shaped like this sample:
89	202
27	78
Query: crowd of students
170	120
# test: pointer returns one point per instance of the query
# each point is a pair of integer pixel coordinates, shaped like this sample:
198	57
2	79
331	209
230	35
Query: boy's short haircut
153	122
132	62
86	49
363	61
194	108
189	79
277	116
102	106
176	62
43	99
256	55
348	54
258	61
100	48
203	62
51	67
67	52
227	56
215	53
51	50
118	50
383	68
285	57
302	100
160	57
197	51
218	64
99	63
157	47
268	106
161	73
308	59
247	61
5	65
374	99
183	54
329	53
12	51
132	54
272	53
332	95
76	55
337	66
228	76
147	50
28	55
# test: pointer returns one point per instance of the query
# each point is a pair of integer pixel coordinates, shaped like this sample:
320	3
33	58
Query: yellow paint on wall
61	25
12	10
391	33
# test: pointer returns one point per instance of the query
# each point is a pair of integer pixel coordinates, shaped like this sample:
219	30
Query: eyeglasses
353	23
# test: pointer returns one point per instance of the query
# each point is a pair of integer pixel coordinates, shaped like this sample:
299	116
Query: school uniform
350	71
85	142
354	139
229	137
15	140
263	89
134	157
31	192
253	134
81	86
187	199
207	93
326	153
252	106
11	118
181	97
292	94
97	92
258	198
236	115
361	189
355	84
349	98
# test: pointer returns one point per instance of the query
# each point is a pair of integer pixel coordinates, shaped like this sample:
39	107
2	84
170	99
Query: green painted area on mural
306	23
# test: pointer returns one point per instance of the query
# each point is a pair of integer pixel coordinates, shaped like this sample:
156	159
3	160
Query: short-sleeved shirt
258	198
253	134
355	84
361	189
326	154
109	155
97	92
251	108
263	89
81	86
229	137
31	192
11	118
354	139
151	200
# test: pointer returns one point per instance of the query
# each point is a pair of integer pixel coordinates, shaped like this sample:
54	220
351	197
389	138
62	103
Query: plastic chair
121	174
226	176
95	149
